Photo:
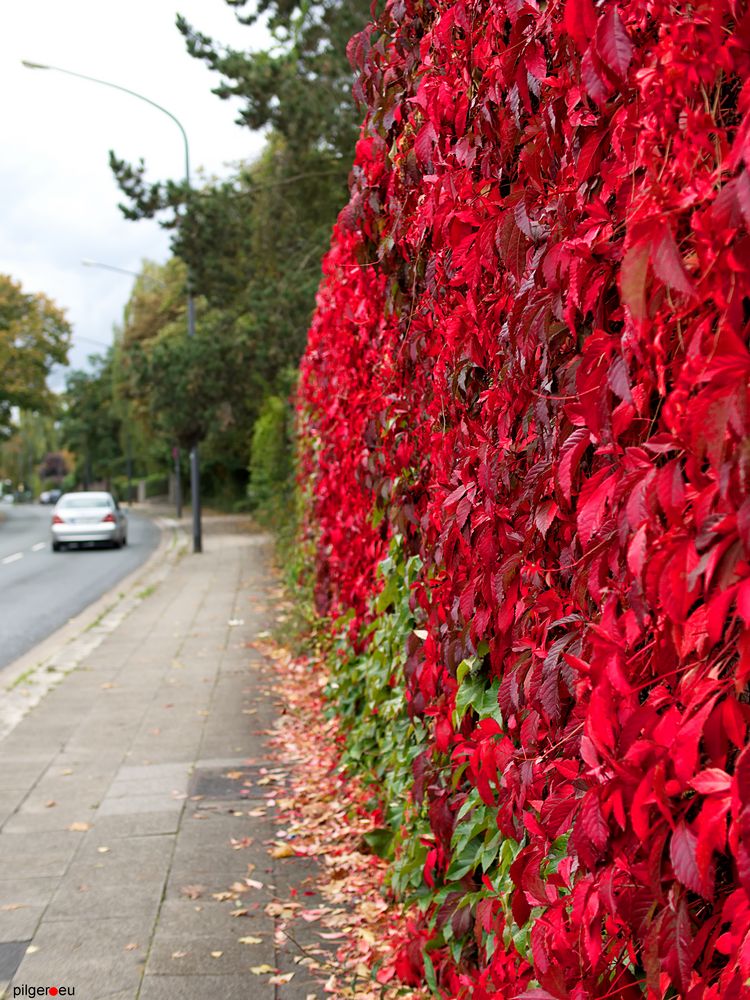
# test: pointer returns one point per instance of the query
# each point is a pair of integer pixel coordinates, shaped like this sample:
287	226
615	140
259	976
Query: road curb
24	682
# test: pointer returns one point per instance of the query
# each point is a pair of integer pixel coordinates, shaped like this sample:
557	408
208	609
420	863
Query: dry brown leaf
179	954
280	980
250	940
192	891
50	804
13	906
261	970
131	946
79	827
282	851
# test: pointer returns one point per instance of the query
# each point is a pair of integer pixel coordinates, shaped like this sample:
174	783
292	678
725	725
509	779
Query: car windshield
84	501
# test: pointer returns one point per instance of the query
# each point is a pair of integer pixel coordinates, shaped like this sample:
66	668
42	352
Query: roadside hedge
524	424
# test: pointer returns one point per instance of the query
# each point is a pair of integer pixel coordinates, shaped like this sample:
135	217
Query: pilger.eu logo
44	991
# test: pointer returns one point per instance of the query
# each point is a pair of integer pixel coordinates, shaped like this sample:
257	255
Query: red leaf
682	851
743	196
590	155
633	274
712	781
677	944
596	493
594	824
570	456
637	552
424	143
613	43
544	515
668	264
580	22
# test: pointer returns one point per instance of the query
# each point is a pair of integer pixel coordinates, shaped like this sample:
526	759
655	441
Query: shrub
528	370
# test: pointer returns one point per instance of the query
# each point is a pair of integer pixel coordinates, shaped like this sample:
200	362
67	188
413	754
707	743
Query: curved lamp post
194	459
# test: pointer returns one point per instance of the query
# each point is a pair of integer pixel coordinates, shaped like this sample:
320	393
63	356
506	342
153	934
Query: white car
88	517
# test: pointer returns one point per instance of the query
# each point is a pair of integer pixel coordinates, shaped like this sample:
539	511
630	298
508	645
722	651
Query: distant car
88	517
50	496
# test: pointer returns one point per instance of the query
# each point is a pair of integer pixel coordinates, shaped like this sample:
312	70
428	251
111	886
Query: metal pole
129	463
194	466
177	482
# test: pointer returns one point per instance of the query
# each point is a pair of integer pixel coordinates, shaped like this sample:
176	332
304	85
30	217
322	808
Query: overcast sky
57	195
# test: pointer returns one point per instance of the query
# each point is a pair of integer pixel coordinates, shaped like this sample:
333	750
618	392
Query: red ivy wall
530	353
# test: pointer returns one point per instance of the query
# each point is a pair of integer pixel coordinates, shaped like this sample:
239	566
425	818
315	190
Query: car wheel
56	546
124	539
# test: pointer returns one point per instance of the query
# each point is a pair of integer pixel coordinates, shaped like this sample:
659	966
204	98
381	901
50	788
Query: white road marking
14	558
39	546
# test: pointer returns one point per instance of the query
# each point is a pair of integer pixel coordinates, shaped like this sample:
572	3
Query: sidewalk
122	790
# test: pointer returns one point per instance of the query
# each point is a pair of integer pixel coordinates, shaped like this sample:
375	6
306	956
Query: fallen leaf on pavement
79	827
192	891
280	980
250	940
216	954
50	804
179	954
12	906
102	850
132	946
282	851
261	970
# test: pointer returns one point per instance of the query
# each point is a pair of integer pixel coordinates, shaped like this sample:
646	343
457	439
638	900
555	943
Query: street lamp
194	459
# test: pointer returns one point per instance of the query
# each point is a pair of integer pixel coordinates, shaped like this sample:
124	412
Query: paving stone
91	955
33	818
47	853
204	916
193	956
134	804
11	954
104	900
20	924
112	828
200	987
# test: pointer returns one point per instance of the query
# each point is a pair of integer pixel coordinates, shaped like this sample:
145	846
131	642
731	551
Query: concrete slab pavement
121	790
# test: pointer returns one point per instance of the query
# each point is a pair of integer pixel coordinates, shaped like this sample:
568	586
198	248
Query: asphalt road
40	590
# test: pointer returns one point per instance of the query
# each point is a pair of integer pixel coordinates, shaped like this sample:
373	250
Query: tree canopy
34	336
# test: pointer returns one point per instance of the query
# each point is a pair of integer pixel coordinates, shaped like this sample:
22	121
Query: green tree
301	89
34	336
91	424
